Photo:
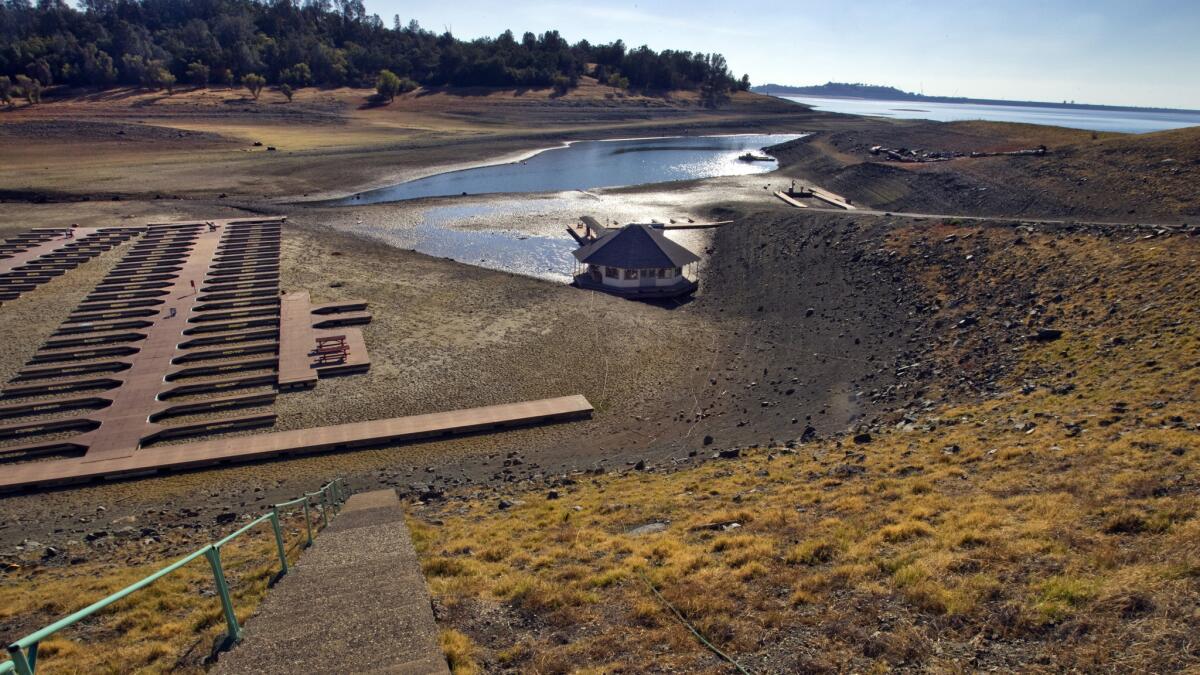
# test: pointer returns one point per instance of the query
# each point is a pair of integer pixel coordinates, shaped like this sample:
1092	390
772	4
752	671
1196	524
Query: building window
611	273
630	274
662	273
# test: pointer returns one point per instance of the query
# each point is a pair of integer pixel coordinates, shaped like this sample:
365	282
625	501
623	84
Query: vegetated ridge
159	44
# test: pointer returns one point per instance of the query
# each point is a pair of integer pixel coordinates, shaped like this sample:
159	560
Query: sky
1132	52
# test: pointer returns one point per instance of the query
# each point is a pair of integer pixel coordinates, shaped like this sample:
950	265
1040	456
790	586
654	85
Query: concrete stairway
355	602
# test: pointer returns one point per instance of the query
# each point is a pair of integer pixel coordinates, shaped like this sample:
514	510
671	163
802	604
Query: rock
809	312
648	528
50	552
504	505
862	438
641	465
729	453
1046	335
553	494
708	440
847	470
93	536
226	518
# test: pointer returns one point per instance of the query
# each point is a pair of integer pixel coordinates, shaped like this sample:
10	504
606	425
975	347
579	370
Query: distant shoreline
871	93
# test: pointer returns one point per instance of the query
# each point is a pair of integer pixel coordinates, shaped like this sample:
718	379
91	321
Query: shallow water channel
593	164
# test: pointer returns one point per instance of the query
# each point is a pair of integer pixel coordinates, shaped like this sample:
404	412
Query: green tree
198	73
618	82
299	75
744	83
40	71
286	90
6	91
254	83
388	85
30	88
562	84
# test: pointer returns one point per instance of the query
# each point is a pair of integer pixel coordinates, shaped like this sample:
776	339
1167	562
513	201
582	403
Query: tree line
292	44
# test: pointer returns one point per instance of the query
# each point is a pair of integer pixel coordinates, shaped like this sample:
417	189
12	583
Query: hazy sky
1124	52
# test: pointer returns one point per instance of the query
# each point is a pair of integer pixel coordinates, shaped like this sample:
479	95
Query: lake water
1135	122
594	164
522	235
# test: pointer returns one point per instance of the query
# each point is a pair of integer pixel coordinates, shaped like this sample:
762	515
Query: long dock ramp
332	438
362	577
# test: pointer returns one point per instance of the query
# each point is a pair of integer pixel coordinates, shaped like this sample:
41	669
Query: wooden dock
667	227
787	199
332	438
831	198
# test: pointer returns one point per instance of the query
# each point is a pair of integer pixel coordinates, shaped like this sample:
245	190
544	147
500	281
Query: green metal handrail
24	651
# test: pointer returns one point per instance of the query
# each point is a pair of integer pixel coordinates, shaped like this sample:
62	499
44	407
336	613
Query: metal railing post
325	508
307	521
24	665
214	560
279	540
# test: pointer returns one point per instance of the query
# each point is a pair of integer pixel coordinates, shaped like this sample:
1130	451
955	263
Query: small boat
751	157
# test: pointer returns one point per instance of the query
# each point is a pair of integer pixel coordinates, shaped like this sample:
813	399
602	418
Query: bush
254	84
298	76
388	85
562	84
286	90
30	88
198	73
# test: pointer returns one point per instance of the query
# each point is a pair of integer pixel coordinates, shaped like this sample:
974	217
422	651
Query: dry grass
170	626
1050	524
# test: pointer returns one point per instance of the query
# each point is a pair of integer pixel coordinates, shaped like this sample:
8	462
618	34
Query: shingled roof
635	247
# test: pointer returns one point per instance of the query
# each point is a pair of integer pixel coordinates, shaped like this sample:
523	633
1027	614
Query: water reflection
594	164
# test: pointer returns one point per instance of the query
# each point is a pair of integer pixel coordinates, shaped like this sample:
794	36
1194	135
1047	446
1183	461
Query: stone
648	528
1046	335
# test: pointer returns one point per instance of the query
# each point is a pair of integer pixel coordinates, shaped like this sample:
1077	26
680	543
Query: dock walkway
355	602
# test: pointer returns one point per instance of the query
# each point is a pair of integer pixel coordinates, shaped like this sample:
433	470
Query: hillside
1033	508
1109	177
883	93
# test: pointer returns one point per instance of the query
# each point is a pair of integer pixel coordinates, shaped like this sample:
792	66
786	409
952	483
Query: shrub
254	84
388	85
198	73
286	90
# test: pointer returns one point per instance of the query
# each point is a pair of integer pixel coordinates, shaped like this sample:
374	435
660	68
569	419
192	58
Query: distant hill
882	93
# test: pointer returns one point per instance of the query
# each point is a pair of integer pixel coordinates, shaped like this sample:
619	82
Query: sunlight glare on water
594	164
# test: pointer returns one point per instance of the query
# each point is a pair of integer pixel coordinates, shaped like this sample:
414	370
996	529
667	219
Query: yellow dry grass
169	626
1034	529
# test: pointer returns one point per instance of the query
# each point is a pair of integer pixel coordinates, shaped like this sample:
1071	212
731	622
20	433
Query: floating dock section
331	438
